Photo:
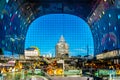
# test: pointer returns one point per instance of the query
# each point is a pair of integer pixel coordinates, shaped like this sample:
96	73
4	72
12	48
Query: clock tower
62	48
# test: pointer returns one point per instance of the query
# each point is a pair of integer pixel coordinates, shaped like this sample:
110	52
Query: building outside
49	55
31	53
62	48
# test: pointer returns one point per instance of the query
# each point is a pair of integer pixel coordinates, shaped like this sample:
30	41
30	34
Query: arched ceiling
16	15
81	8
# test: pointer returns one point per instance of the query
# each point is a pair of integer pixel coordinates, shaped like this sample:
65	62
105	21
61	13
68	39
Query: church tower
62	48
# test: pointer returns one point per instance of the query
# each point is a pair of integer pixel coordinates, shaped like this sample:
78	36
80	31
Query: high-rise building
62	48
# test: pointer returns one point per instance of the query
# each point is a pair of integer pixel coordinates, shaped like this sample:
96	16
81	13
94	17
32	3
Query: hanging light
103	12
105	0
7	1
94	14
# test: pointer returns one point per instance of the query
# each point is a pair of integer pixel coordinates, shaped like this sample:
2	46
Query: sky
45	32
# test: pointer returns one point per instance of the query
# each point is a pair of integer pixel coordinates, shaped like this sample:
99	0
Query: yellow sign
58	72
117	72
50	72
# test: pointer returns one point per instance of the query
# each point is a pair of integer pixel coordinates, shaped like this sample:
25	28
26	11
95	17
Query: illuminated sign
117	72
73	72
104	72
37	71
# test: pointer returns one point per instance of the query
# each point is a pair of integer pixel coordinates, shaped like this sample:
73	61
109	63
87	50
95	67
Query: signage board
73	72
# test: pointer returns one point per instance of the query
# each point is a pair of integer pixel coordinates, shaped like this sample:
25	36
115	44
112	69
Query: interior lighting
105	0
7	1
103	12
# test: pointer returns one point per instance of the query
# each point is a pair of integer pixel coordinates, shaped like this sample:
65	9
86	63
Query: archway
45	31
17	15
